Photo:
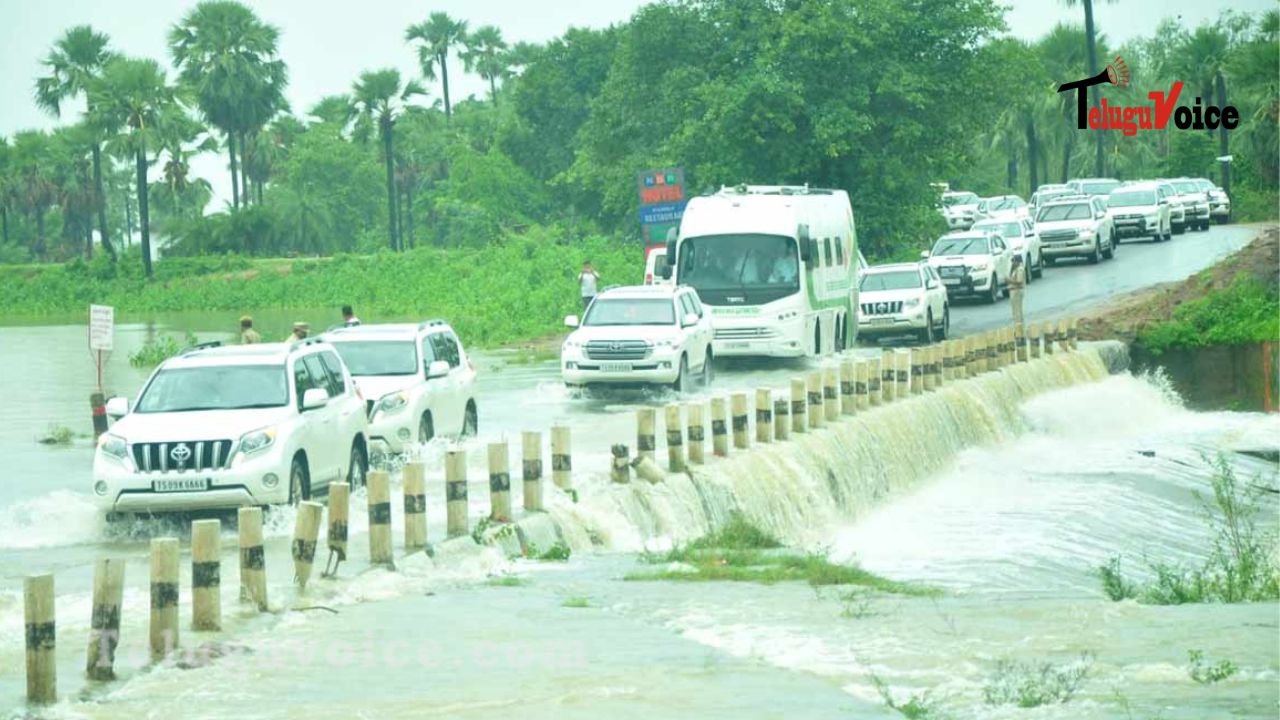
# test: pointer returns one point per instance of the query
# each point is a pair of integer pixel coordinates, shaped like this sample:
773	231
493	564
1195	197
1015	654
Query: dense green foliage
1243	312
878	97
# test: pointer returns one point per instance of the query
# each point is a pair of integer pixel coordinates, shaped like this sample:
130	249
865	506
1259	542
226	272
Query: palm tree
228	59
6	163
485	53
134	99
1204	61
33	186
75	61
1092	46
71	162
379	96
1063	54
439	34
332	109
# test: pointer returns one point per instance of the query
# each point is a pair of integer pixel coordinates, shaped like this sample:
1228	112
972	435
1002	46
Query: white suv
903	298
416	380
222	427
1140	209
1219	202
1195	199
1020	234
1002	207
959	208
972	263
1075	227
650	334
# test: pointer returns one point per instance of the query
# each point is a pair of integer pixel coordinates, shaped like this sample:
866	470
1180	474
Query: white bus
778	266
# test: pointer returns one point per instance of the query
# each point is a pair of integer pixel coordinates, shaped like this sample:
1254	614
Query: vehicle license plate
882	321
180	485
950	281
737	345
615	367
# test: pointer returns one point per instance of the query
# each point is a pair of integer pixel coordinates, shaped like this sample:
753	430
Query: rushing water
1006	492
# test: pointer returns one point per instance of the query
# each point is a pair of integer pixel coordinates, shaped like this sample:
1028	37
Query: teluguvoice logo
1130	119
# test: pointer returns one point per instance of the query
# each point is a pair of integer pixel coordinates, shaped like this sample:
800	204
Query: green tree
133	100
485	53
71	160
436	37
228	60
33	188
75	61
6	183
1099	167
378	97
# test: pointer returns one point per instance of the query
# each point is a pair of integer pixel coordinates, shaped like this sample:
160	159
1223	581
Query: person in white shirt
349	318
588	280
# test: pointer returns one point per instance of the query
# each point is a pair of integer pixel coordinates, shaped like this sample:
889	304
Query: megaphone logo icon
1116	73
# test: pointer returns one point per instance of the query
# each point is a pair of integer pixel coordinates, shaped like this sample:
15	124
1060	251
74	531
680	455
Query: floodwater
1006	495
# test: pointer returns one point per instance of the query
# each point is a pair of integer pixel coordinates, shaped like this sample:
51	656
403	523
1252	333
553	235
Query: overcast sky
327	43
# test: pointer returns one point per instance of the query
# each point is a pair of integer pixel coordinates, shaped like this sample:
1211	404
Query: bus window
840	252
829	255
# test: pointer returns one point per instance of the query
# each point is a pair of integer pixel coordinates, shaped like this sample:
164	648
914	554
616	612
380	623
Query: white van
777	265
654	259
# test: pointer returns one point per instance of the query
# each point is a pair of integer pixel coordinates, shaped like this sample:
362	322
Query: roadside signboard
102	325
662	201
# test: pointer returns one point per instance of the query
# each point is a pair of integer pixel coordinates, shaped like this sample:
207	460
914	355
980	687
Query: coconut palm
228	59
6	166
378	97
75	61
33	188
1204	58
332	109
485	53
1092	54
134	100
71	174
438	35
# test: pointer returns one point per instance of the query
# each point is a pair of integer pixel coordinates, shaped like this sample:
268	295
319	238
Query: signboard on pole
662	201
102	327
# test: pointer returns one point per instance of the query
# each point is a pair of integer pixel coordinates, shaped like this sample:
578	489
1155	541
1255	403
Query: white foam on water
58	518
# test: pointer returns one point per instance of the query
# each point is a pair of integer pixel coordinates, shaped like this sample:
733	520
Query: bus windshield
751	269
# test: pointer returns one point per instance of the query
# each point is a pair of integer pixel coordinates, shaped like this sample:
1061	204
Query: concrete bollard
675	438
531	469
741	423
648	470
499	482
927	383
1073	333
697	432
39	616
970	356
861	389
848	386
889	377
1050	335
620	471
1021	351
781	417
948	361
875	380
831	393
455	490
1063	334
646	432
1010	346
253	568
336	535
918	366
414	480
164	597
719	427
799	406
379	509
306	530
98	406
1034	333
902	374
561	457
764	415
817	415
992	351
104	623
206	575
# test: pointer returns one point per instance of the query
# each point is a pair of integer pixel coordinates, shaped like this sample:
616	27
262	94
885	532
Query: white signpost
102	327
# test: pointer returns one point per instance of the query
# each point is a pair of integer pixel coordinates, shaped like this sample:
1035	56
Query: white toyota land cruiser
416	379
222	427
645	335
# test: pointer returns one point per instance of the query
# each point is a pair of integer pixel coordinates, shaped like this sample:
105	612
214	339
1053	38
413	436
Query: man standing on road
1017	287
300	332
349	318
248	336
588	279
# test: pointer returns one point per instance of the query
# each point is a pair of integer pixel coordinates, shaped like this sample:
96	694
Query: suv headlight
910	303
393	402
979	265
252	442
113	445
571	344
1086	232
664	343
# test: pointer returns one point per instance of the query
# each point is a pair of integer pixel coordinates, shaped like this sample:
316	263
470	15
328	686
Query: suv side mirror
924	254
930	284
664	270
671	254
690	319
571	321
314	398
437	369
117	407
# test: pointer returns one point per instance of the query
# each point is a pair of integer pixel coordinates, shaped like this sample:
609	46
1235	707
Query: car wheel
1038	271
946	323
299	481
1050	262
1097	254
470	421
1110	252
357	466
426	429
682	376
708	370
994	295
926	335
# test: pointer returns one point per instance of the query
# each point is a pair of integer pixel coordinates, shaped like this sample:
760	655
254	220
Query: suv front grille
743	333
181	456
1058	235
617	350
882	308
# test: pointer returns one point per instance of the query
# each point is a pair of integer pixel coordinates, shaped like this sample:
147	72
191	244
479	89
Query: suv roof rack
201	346
431	323
305	342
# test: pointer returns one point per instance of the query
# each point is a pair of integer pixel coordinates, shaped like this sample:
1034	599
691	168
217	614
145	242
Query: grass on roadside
505	581
576	602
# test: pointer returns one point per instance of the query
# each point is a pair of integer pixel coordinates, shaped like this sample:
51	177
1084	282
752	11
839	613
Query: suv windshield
1186	186
216	387
1099	187
896	280
605	311
1072	211
752	268
1002	203
961	199
961	246
379	357
1131	198
1007	229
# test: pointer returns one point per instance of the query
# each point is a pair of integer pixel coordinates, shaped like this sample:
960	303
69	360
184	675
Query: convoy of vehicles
972	264
1075	227
641	335
901	299
1020	233
777	266
1094	186
1002	207
416	380
222	427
